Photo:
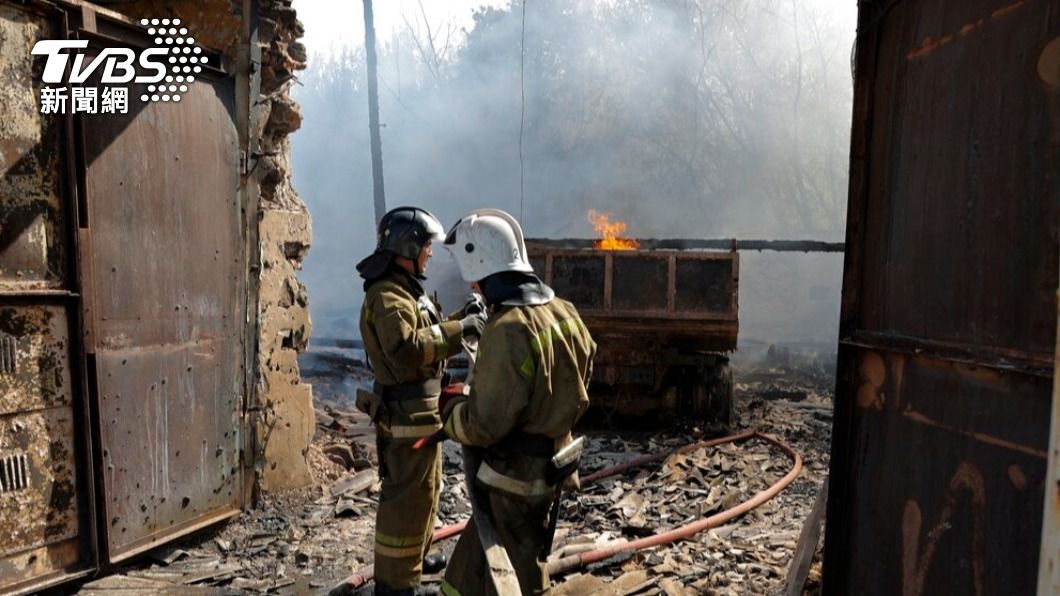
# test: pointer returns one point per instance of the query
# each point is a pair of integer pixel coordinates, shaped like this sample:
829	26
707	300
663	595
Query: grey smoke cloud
685	118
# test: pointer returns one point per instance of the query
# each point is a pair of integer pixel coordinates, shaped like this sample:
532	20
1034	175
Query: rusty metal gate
162	261
948	325
122	313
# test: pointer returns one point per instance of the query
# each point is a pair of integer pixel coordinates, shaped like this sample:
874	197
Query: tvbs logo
167	69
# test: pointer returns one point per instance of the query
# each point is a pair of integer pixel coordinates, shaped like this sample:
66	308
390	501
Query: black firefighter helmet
403	232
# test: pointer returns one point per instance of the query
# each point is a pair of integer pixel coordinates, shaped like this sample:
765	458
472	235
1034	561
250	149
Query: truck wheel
713	395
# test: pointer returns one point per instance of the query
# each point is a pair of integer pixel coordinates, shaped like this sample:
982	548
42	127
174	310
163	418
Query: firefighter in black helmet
406	341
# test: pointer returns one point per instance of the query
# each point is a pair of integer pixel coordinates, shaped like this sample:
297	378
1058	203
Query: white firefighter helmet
487	241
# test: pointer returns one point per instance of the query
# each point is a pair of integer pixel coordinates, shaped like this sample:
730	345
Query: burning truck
664	320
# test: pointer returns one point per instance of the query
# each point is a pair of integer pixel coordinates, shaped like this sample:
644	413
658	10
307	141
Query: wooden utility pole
373	113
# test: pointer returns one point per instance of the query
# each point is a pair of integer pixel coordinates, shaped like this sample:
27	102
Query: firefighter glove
473	324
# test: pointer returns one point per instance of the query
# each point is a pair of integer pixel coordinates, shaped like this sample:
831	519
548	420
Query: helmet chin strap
413	268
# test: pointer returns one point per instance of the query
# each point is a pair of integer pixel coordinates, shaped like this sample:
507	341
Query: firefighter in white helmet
528	388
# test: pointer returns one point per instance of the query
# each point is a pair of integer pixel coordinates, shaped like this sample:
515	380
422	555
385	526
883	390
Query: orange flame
611	231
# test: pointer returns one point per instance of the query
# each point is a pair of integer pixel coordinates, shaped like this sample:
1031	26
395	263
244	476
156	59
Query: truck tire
713	396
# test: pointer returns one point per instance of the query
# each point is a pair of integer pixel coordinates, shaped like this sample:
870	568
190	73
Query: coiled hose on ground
575	561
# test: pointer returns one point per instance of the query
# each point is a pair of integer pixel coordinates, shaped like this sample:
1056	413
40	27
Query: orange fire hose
687	531
566	564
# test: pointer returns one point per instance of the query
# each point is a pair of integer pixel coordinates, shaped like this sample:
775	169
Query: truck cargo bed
687	297
662	321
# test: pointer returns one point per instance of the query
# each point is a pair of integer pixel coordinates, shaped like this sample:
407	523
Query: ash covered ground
308	541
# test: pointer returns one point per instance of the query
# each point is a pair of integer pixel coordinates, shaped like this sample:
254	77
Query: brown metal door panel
170	454
944	479
166	264
962	197
1049	563
31	202
948	325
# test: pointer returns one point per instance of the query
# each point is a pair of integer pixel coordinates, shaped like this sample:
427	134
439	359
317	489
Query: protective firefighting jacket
529	388
403	338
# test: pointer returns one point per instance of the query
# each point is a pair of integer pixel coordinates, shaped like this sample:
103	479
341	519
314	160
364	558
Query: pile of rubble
751	554
309	540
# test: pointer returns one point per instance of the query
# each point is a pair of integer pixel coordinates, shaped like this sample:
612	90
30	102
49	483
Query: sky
331	25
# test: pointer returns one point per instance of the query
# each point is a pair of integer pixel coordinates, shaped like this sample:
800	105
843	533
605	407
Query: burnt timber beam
697	244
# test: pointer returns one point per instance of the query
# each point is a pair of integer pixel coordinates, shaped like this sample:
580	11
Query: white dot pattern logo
169	35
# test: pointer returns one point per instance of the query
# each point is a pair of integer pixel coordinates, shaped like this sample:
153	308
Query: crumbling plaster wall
283	420
287	422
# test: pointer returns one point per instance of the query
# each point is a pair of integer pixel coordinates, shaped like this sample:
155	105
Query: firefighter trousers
522	527
408	502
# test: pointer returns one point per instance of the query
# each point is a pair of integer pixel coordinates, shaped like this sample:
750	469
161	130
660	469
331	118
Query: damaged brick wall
286	426
284	404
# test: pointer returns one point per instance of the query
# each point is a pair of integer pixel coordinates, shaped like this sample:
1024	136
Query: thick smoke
685	118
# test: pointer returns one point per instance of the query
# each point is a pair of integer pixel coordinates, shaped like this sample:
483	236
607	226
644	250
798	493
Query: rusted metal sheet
34	359
946	466
631	277
579	278
40	517
690	286
1049	564
163	261
705	286
666	298
661	318
46	533
948	325
31	202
